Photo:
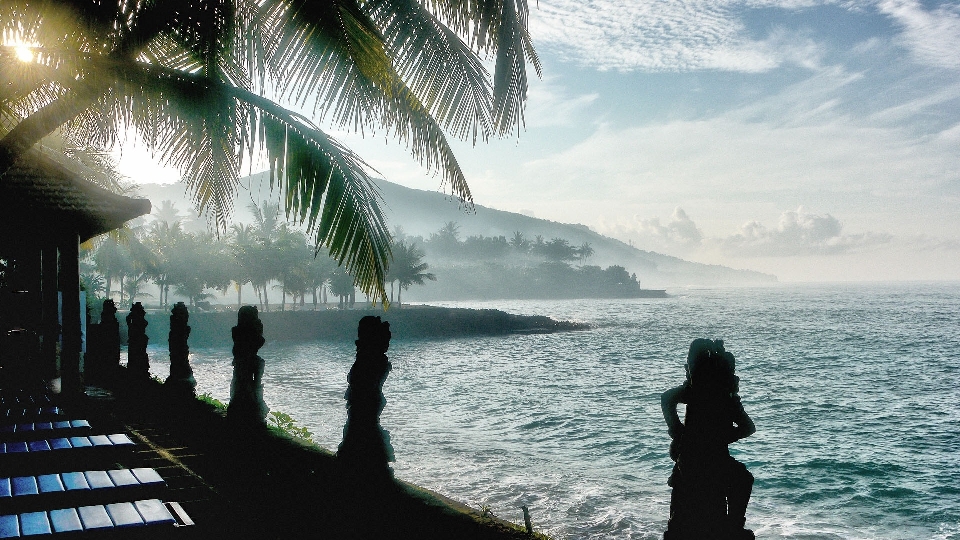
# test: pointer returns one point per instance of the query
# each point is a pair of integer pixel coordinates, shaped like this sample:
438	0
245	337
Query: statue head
709	364
373	333
249	330
179	313
137	314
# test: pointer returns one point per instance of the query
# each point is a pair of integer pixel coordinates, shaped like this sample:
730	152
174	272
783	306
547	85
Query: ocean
854	388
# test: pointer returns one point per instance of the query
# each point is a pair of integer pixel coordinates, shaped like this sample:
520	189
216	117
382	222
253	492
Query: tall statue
710	488
181	378
246	388
366	445
138	363
102	360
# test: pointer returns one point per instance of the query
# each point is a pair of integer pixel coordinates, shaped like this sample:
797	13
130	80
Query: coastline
407	322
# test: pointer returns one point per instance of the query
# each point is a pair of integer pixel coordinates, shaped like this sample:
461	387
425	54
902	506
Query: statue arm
668	404
744	424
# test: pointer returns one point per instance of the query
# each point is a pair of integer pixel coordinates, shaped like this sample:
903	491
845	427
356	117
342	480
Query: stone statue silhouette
138	362
366	446
710	488
246	389
181	380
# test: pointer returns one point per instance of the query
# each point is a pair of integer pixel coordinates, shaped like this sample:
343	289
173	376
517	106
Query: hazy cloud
799	233
932	36
551	105
925	242
679	230
678	235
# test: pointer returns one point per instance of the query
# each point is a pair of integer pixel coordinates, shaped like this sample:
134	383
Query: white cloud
932	36
679	235
668	35
799	233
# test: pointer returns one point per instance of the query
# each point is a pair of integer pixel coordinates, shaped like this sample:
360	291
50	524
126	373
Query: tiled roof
41	195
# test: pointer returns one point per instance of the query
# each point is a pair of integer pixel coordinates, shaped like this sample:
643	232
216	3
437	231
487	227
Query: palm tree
520	242
408	268
584	252
167	211
241	242
207	83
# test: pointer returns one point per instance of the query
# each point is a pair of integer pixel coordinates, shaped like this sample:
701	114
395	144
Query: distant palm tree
408	268
192	78
584	252
520	242
168	212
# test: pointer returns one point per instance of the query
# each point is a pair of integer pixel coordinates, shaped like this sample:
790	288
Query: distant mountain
422	212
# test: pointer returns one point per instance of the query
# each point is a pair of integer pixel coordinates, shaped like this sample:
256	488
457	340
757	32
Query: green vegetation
268	255
283	423
212	401
279	263
497	267
214	87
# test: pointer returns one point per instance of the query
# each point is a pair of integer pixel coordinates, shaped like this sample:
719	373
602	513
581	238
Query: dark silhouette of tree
557	249
113	260
446	241
520	243
486	248
341	286
157	258
408	268
191	76
584	252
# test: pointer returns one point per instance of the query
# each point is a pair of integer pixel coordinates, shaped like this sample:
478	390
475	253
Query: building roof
39	196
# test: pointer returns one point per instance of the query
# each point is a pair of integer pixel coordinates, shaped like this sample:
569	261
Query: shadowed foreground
260	484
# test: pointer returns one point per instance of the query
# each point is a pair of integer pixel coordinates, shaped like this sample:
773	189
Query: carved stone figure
366	445
246	388
138	363
181	374
102	360
710	488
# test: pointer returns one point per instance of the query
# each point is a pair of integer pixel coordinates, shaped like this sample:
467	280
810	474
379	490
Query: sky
814	140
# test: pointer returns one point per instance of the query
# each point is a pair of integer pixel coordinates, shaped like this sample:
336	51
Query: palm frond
325	185
438	66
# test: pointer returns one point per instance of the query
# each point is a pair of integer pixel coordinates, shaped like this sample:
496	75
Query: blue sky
818	141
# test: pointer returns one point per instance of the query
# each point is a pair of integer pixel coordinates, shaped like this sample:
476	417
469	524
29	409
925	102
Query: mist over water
853	389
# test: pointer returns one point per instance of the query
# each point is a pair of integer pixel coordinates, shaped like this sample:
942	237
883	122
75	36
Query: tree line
520	266
269	255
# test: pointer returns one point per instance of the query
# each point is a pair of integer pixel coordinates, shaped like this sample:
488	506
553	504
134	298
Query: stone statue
366	446
246	388
181	378
710	488
138	363
102	360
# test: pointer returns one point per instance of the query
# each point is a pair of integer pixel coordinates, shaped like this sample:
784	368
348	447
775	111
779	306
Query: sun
24	53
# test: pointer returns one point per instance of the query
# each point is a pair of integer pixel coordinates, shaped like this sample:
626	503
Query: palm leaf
438	66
